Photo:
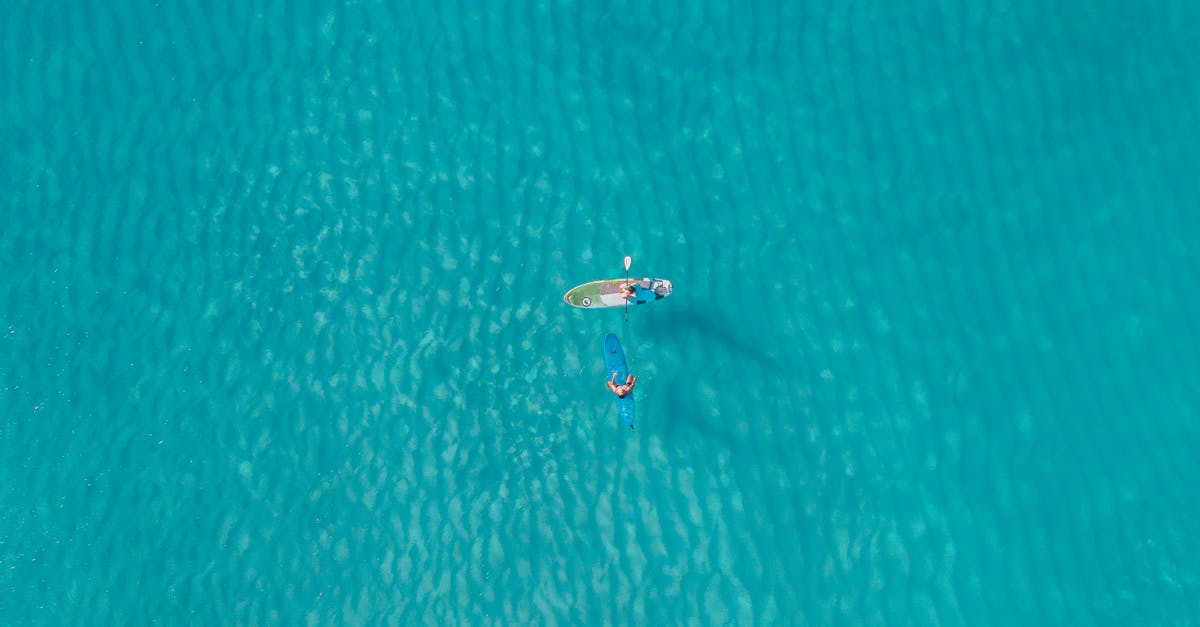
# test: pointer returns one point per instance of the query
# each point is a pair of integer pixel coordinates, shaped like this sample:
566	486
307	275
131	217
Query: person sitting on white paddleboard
622	390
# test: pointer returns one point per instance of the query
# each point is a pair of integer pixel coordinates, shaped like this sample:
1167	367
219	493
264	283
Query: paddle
628	260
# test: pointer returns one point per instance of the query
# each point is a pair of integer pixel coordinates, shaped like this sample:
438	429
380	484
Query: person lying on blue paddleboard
622	390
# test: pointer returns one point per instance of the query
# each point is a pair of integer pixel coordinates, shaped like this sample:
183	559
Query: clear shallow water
283	339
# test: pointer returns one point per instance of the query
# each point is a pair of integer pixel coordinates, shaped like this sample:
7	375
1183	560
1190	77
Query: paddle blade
628	260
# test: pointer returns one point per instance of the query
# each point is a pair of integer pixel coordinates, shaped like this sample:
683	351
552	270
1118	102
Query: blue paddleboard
614	361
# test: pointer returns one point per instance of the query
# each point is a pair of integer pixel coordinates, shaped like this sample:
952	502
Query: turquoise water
282	337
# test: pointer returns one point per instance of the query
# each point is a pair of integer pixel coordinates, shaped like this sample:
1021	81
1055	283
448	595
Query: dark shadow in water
709	326
682	412
736	351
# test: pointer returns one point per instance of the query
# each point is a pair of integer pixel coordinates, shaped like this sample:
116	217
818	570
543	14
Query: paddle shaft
628	260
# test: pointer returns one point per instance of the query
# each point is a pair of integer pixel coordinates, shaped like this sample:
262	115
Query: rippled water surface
282	339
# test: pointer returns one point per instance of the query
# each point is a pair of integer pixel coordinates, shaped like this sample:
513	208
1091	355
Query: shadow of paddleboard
736	337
